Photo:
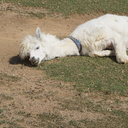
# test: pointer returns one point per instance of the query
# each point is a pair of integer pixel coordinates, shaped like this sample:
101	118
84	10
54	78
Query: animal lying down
104	36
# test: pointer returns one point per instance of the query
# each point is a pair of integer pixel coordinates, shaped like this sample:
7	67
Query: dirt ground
25	92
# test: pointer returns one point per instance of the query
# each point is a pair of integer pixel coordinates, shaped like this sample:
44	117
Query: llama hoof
122	60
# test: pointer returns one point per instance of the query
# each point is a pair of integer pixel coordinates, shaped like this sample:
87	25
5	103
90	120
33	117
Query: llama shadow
15	60
113	58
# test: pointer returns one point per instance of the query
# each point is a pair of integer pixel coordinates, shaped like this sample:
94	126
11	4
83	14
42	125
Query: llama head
32	48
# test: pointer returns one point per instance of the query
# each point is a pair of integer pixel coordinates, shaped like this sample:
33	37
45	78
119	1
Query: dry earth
26	92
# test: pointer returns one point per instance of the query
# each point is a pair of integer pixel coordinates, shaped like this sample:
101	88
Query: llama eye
37	48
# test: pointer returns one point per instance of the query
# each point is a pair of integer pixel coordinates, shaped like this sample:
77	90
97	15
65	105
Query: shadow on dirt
16	60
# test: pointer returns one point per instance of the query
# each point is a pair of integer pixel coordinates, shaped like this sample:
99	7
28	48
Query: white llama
104	36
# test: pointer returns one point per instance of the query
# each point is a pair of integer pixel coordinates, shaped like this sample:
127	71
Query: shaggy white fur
104	36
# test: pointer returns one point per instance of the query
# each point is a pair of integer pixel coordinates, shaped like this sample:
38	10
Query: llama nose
33	58
34	61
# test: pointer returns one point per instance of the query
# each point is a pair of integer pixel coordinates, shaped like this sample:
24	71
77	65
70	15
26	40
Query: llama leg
102	53
120	52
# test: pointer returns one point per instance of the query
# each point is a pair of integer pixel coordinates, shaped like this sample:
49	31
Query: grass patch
5	97
24	114
68	7
121	114
108	122
2	122
1	110
1	116
90	74
50	120
100	76
9	78
109	113
38	14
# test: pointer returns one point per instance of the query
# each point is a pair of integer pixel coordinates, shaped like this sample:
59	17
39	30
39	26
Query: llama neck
61	48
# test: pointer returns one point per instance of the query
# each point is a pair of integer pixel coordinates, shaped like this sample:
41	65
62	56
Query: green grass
90	74
8	78
24	114
68	7
1	110
5	97
51	120
2	122
111	115
110	119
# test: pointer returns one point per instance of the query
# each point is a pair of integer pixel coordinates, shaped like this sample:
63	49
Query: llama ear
38	33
